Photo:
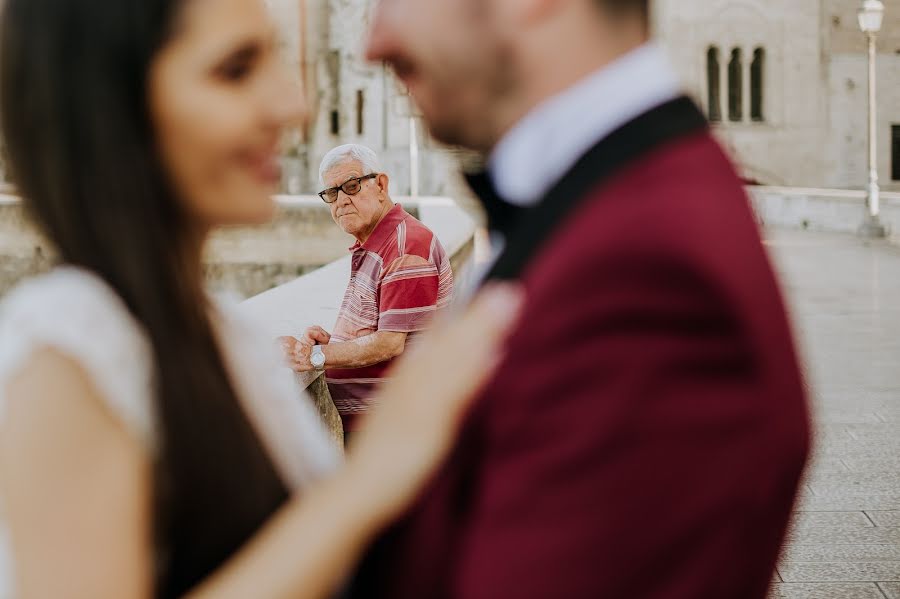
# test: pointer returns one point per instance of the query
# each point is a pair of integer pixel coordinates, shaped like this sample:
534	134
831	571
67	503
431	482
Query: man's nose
286	100
343	199
380	44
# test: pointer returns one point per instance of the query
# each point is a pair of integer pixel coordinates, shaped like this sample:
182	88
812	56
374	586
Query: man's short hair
366	157
619	7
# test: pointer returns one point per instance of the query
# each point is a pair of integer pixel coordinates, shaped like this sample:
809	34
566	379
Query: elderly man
399	278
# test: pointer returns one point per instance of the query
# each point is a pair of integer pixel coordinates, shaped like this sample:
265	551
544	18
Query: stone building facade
786	81
352	100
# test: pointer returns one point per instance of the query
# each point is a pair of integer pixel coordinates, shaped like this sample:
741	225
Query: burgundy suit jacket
646	433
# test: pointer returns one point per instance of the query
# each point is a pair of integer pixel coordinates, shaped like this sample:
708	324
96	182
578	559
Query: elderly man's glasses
351	187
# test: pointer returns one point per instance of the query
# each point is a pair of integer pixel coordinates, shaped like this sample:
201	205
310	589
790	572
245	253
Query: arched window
735	87
757	81
713	85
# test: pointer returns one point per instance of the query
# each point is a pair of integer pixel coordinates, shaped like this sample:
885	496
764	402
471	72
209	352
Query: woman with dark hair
150	444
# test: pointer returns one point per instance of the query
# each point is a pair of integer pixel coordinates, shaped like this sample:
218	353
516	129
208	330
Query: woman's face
220	99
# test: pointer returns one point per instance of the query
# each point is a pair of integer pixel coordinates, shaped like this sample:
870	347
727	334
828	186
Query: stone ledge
825	210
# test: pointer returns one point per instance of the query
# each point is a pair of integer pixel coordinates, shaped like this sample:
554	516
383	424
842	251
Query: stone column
746	63
724	61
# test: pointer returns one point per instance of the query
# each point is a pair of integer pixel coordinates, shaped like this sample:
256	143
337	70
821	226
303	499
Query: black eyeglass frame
340	187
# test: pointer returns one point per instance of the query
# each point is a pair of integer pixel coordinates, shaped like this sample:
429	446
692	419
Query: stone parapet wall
23	252
244	261
829	210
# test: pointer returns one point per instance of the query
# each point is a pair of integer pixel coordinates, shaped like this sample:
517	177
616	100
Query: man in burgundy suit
645	434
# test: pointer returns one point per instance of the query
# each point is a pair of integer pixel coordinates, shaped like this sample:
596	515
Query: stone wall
23	252
829	210
243	261
352	100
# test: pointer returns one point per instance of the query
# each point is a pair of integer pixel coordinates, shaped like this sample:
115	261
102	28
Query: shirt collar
548	141
383	229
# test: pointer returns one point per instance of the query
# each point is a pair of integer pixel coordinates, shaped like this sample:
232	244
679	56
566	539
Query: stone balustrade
241	260
826	210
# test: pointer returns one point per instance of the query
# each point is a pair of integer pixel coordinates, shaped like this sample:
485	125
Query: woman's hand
421	406
314	541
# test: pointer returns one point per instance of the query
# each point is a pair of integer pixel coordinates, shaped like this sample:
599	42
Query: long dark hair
81	149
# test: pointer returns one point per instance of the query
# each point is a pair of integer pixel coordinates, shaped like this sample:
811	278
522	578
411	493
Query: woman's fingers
457	357
431	387
425	398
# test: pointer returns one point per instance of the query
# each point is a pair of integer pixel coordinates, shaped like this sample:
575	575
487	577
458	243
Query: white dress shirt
535	154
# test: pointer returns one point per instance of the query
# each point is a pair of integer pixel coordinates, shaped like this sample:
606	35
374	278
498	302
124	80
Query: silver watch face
317	358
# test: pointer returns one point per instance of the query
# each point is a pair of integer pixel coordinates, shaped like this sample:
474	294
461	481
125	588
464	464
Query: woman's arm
77	487
74	488
313	543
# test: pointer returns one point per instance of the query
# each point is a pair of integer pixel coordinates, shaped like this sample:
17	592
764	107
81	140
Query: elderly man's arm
378	347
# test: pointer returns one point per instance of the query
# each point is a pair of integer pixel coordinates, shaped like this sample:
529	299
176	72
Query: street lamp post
413	155
871	15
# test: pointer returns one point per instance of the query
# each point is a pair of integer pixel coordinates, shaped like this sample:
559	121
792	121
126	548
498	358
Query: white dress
74	312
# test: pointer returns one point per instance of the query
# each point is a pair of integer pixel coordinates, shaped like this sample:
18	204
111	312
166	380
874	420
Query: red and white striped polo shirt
399	279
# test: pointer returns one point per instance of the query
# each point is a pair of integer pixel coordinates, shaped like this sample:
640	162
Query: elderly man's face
357	214
454	57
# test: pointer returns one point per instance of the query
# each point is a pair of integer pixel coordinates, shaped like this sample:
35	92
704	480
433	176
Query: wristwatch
317	357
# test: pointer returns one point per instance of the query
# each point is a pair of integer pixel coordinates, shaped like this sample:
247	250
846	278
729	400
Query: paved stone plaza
845	298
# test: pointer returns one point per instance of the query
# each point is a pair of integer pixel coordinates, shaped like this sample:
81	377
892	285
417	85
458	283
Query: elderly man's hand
296	352
316	335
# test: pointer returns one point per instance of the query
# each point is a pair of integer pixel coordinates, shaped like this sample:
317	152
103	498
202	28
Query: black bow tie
502	216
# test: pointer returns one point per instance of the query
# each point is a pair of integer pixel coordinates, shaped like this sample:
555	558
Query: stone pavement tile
891	518
837	434
846	519
864	493
887	464
857	399
812	503
833	416
841	553
883	486
825	428
825	591
886	480
891	590
853	401
888	415
885	447
857	451
830	535
839	571
886	432
826	465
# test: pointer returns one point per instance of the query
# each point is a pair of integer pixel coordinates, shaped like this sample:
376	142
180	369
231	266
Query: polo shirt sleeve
408	295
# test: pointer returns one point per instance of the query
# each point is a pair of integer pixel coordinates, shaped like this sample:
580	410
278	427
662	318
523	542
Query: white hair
367	158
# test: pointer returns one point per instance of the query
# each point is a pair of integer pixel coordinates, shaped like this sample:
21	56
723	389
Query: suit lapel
528	229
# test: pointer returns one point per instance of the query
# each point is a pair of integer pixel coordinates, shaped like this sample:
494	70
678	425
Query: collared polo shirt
399	279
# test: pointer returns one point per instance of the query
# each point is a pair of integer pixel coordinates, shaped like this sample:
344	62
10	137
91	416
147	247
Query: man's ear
382	180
